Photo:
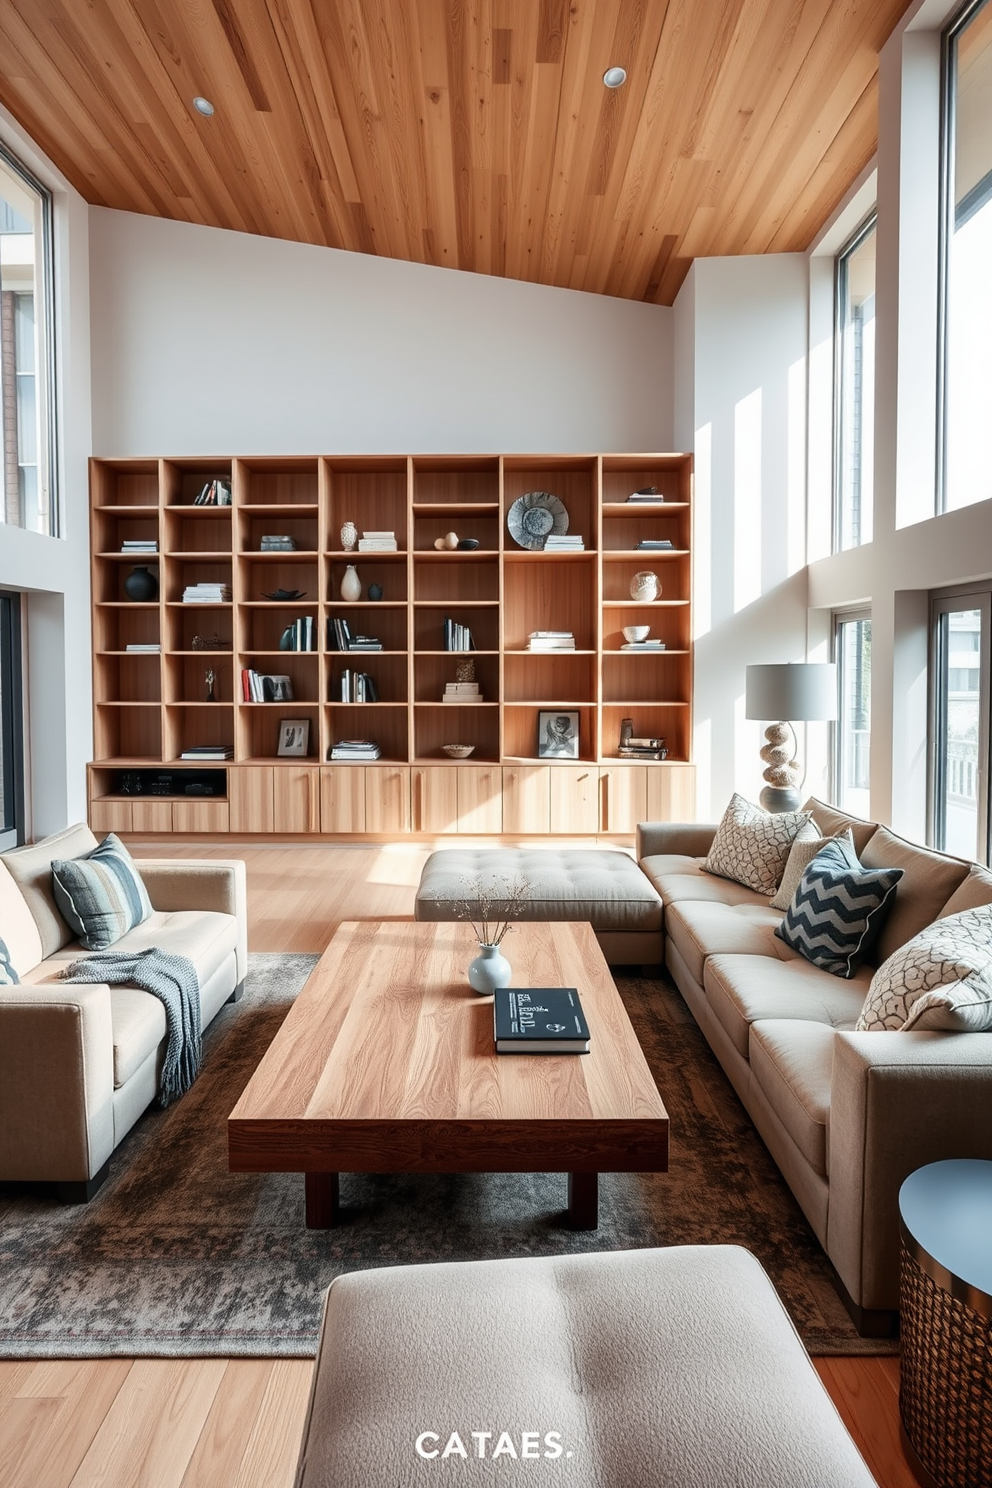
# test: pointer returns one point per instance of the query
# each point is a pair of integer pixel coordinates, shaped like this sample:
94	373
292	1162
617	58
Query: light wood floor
236	1423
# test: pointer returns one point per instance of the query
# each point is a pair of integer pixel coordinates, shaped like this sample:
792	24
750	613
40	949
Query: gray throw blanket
173	980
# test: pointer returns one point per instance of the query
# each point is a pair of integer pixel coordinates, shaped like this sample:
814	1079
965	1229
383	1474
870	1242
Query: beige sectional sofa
847	1116
79	1064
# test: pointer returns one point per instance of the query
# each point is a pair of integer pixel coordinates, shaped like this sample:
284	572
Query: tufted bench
605	888
674	1368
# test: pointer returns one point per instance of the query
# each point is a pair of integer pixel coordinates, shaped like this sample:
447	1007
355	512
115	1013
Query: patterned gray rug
176	1256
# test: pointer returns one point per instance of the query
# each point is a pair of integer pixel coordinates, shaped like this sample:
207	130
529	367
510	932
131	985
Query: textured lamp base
780	798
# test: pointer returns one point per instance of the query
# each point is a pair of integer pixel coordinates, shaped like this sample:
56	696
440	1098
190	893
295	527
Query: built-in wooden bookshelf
151	706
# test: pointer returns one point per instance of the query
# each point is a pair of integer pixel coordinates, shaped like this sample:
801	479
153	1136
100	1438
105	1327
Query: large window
11	724
966	280
960	712
854	389
852	731
27	361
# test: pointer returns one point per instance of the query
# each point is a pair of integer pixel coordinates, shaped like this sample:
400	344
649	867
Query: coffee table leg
583	1201
321	1200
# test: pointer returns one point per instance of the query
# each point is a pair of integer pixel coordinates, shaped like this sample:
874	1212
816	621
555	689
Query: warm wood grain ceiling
472	135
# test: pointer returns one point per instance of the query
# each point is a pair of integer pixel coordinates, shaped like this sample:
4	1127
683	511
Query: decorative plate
534	517
285	594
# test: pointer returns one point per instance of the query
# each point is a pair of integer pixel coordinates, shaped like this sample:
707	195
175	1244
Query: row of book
354	749
356	687
264	687
340	638
214	493
300	635
564	543
655	544
275	543
649	645
461	692
646	496
457	637
135	545
208	752
205	593
551	640
144	648
378	542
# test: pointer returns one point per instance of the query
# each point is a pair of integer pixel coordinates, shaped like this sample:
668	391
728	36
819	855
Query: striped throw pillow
838	909
8	972
101	896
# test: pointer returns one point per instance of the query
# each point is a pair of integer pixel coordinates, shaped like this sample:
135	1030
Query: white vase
351	585
645	585
489	970
349	537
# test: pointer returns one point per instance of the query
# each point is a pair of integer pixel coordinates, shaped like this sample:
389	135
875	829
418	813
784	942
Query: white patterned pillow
942	979
806	844
751	846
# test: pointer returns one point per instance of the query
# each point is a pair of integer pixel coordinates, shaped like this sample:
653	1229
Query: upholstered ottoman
673	1368
605	888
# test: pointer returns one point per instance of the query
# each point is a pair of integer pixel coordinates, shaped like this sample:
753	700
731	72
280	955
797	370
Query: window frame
841	260
839	619
944	602
47	381
11	720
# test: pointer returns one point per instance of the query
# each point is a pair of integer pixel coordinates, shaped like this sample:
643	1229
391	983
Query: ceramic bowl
634	633
458	751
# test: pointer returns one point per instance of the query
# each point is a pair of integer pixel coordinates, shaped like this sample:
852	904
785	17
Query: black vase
141	585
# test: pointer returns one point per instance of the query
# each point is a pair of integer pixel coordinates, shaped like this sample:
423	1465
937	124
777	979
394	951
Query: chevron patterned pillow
838	909
751	845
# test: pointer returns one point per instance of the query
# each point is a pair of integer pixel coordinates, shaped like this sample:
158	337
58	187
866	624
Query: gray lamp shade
791	691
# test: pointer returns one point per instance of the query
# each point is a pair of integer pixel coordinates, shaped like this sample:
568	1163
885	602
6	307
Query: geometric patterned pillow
752	846
101	897
942	979
8	976
838	909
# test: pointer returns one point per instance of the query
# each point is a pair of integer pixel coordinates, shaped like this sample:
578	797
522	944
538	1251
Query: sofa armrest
685	839
897	1102
56	1082
217	884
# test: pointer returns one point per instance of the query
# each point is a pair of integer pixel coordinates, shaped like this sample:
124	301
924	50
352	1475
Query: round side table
945	1396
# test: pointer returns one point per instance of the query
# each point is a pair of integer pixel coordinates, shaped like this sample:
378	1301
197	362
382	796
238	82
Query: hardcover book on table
539	1020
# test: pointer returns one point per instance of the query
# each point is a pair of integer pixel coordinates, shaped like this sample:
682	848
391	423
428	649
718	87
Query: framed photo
294	737
557	734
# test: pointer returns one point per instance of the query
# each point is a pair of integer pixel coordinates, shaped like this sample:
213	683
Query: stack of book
642	749
143	646
457	637
564	544
461	692
300	636
377	542
539	1020
655	544
259	687
208	752
551	640
356	687
273	543
214	493
135	545
648	645
207	594
354	749
645	495
340	638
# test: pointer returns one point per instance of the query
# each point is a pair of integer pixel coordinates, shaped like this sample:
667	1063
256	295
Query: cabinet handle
418	801
312	802
604	781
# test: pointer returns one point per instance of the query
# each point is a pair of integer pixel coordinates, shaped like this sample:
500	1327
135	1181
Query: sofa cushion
100	896
138	1020
976	889
751	845
31	870
838	909
17	926
680	880
698	930
803	851
743	989
929	879
793	1063
832	823
942	979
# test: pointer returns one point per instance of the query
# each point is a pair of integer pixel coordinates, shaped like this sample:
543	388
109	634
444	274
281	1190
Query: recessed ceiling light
614	77
203	106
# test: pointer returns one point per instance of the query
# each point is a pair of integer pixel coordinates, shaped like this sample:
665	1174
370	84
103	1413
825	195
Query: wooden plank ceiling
474	134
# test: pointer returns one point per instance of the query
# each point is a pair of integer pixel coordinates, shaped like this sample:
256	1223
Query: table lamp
795	691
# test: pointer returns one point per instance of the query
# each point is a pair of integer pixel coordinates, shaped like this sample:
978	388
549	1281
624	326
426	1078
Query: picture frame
294	738
557	733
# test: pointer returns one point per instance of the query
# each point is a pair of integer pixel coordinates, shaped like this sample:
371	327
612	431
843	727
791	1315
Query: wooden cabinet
342	798
296	798
526	799
200	816
151	816
250	793
435	798
480	803
110	816
387	799
671	794
623	793
574	799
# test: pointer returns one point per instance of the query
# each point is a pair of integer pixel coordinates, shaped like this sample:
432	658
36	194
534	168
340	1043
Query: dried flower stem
491	905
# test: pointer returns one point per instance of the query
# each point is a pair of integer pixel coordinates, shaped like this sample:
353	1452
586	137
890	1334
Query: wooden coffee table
385	1064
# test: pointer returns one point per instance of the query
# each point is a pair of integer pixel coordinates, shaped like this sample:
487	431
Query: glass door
960	732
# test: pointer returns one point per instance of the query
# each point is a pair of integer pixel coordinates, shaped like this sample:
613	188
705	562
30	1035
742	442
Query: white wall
207	341
54	572
741	337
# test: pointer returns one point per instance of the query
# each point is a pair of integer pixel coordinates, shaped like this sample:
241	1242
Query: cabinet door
200	816
527	798
435	798
671	793
624	796
574	798
296	798
342	798
110	816
151	816
249	790
387	798
480	803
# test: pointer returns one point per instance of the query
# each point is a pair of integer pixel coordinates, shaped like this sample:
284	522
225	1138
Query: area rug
176	1256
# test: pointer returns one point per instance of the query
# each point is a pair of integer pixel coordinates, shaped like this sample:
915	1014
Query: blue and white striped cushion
8	972
101	897
838	909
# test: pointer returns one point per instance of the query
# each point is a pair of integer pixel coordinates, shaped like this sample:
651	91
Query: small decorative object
634	633
375	591
557	735
141	585
458	751
210	677
645	585
349	537
294	737
787	692
468	544
208	643
491	905
465	671
451	540
440	544
534	516
282	596
626	732
351	585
